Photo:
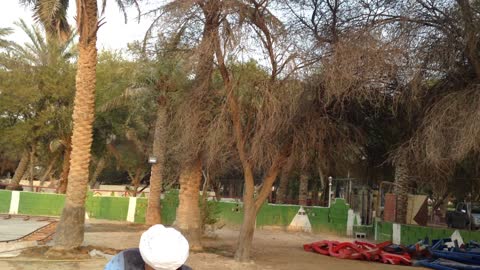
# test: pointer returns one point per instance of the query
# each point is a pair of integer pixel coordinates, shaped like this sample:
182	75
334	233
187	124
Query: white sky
114	34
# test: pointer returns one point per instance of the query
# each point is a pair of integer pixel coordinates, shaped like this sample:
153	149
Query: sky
114	34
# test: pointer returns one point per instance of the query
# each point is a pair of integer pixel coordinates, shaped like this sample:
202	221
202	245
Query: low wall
322	219
410	234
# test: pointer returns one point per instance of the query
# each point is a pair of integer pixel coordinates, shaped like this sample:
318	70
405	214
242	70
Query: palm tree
70	229
52	15
4	32
47	59
194	114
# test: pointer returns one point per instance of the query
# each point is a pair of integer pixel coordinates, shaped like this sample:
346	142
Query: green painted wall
141	210
384	231
470	235
338	216
112	208
230	213
41	204
411	234
319	218
169	207
276	215
368	230
5	198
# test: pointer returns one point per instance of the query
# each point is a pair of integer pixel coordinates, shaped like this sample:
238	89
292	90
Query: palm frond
39	50
52	15
5	32
123	5
125	99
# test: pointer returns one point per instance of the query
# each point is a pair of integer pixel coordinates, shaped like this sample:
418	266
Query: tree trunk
252	205
70	229
321	167
282	188
188	219
19	172
245	238
136	178
402	182
315	189
32	167
156	176
62	185
3	165
101	164
303	190
284	180
49	169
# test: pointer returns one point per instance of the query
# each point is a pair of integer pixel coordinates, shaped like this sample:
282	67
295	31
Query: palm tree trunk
32	166
284	180
20	171
188	219
62	185
49	169
323	183
156	175
3	165
303	190
70	229
402	182
101	164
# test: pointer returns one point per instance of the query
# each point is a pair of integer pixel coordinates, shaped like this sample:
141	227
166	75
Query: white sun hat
163	248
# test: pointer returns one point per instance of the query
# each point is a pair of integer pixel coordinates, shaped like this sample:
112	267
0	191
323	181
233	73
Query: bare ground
272	249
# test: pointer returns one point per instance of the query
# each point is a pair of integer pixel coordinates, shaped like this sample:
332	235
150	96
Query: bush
210	212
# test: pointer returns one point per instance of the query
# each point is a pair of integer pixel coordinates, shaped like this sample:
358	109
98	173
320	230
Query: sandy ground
272	249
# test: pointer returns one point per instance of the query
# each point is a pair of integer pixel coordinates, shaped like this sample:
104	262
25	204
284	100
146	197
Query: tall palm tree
194	114
70	229
51	14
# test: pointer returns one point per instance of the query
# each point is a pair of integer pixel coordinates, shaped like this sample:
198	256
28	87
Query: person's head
163	248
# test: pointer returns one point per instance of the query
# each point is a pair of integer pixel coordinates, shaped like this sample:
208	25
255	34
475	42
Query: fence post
396	233
132	205
14	203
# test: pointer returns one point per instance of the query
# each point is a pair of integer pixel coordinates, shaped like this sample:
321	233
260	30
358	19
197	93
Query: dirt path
272	249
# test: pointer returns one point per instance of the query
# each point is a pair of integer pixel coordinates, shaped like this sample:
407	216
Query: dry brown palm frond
451	128
361	67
